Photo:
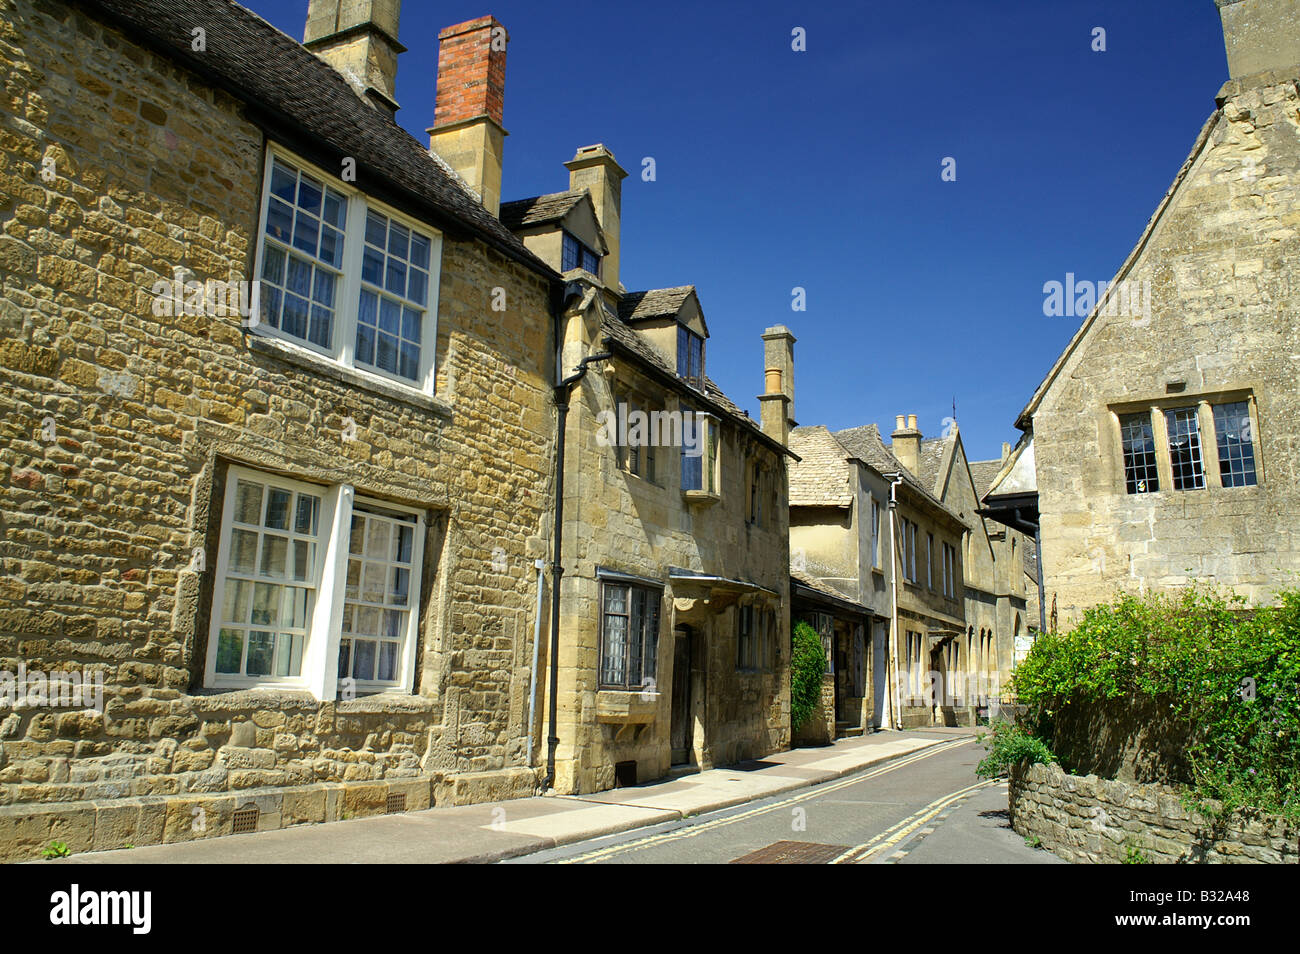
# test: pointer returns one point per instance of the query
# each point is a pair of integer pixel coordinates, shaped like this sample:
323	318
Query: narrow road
925	808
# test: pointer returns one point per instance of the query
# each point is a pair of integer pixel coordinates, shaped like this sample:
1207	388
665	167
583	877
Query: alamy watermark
1077	299
214	298
57	689
637	428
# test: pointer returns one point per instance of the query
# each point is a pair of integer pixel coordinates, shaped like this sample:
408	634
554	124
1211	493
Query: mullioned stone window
629	635
1188	429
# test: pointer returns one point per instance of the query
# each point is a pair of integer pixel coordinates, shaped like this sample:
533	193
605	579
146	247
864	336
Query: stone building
1154	467
290	536
841	569
674	611
994	581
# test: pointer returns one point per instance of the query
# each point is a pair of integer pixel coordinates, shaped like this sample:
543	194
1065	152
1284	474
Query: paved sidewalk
497	830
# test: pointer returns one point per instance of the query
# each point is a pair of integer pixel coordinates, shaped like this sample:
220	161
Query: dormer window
690	357
577	255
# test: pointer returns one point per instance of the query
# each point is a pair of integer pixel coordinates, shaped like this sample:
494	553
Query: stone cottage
841	570
993	562
673	619
286	531
922	545
1150	467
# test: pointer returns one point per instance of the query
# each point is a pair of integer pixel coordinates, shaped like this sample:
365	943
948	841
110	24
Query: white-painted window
345	276
313	587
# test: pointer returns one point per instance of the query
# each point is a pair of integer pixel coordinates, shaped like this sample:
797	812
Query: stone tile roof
295	95
983	472
825	589
655	303
821	479
539	209
931	458
866	444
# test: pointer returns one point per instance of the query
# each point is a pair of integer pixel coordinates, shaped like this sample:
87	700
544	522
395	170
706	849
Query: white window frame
319	670
406	670
348	293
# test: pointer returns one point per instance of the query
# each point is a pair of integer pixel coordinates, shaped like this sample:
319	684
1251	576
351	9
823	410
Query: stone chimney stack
359	39
907	443
595	169
467	132
776	403
1260	35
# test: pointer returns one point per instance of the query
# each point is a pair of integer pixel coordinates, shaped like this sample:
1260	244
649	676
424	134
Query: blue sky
821	169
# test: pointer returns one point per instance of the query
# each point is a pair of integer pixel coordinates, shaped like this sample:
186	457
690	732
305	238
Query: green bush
1009	745
807	666
1230	674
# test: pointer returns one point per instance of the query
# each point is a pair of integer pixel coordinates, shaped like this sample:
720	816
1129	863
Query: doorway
879	652
681	723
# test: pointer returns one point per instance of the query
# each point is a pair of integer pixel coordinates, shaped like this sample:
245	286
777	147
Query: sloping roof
1025	420
828	592
618	335
539	209
1018	474
821	479
931	458
983	472
293	93
655	303
866	444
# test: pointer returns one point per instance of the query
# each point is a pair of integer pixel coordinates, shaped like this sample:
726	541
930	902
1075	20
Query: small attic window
690	357
577	255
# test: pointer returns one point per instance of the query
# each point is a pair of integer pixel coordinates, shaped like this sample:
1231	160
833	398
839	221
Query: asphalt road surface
924	808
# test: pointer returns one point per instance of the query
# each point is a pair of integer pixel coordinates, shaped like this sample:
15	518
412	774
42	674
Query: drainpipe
537	638
563	391
895	702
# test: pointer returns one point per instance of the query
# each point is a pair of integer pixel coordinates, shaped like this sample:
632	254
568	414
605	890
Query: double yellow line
893	835
679	834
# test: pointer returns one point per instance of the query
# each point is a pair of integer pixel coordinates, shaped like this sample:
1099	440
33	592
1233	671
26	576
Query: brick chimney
467	132
595	169
1260	35
359	39
776	403
907	442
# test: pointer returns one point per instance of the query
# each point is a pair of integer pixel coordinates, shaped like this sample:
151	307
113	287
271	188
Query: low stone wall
133	822
1089	820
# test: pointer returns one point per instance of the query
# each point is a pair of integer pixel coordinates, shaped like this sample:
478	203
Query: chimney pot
359	39
467	131
899	420
906	443
776	404
595	169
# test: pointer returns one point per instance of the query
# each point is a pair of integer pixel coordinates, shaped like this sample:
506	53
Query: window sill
352	377
626	707
702	498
